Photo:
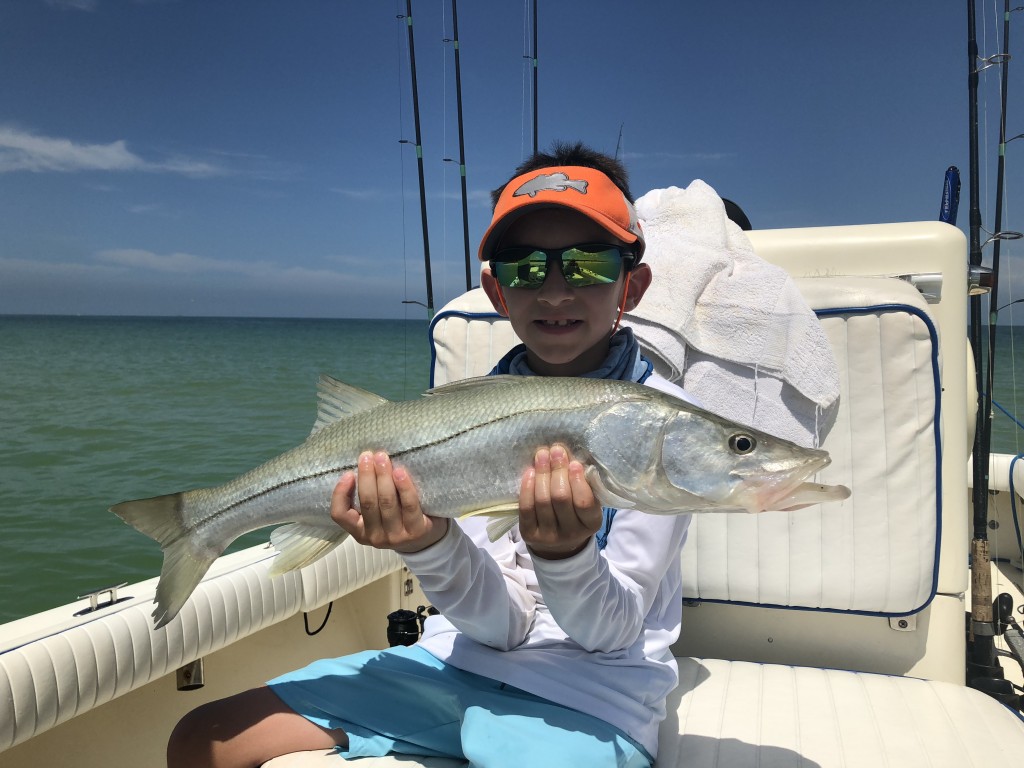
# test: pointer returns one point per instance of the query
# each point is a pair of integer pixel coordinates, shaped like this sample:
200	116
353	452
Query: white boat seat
869	591
738	714
55	665
744	715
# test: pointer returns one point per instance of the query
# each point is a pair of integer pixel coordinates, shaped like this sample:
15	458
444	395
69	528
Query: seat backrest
861	573
876	553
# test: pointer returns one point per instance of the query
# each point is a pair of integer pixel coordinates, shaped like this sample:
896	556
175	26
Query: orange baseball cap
578	188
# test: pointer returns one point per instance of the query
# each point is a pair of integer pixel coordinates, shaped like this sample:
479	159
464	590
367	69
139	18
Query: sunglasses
580	265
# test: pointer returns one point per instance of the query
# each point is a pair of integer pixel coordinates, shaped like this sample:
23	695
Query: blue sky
242	157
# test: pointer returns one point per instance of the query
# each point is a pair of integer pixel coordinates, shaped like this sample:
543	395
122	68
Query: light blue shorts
403	700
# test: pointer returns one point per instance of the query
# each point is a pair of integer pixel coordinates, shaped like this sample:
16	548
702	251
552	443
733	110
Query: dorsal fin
339	400
471	383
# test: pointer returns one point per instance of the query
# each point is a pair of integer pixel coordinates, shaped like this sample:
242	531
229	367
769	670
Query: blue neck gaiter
624	361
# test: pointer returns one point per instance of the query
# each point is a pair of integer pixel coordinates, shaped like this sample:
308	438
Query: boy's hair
572	153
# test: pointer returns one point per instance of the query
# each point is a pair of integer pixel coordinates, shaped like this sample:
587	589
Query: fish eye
742	444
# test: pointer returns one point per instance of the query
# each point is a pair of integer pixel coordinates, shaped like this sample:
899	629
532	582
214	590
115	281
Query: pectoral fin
499	526
300	545
505	517
602	493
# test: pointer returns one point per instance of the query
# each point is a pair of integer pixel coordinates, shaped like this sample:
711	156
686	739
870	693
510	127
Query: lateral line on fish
332	470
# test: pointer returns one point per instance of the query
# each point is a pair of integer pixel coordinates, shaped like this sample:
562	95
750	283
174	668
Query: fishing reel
405	627
990	680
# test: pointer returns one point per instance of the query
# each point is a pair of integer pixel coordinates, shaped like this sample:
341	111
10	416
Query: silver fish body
466	446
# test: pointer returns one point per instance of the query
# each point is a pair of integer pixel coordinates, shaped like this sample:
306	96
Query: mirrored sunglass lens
520	268
591	267
580	266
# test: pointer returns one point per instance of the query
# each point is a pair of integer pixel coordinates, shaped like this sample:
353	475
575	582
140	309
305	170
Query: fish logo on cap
551	182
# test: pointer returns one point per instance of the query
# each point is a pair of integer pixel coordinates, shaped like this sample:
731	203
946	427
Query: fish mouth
774	490
806	494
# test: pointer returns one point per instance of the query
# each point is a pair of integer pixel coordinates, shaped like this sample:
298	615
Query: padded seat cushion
877	552
736	714
732	714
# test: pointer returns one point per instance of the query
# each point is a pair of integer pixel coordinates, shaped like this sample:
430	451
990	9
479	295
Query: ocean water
98	410
1008	391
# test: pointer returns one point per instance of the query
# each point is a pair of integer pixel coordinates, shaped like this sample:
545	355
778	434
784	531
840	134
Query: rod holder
191	677
979	280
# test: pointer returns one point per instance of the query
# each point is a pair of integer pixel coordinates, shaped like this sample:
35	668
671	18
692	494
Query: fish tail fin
186	561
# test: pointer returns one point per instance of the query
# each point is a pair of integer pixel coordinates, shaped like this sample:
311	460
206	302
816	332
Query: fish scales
447	428
466	446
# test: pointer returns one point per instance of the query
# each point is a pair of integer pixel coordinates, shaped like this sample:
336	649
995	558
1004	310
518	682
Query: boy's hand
558	513
389	514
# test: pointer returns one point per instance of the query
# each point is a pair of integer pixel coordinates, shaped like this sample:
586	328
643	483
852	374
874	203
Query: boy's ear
639	281
490	286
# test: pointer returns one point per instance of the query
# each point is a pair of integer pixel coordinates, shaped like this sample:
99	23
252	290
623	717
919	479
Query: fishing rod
535	77
982	659
530	54
982	629
419	160
993	303
462	145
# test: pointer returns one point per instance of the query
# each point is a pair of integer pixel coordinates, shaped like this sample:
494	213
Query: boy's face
566	330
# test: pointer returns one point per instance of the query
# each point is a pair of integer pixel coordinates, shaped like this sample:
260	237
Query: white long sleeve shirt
591	632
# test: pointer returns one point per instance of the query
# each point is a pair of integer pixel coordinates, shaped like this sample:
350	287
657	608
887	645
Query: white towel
744	316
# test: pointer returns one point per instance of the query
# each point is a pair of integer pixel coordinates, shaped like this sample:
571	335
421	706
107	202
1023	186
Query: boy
552	647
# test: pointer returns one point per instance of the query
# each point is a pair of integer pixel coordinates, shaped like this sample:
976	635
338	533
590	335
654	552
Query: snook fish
466	445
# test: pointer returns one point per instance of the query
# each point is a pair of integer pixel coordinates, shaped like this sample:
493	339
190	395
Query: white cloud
683	157
24	151
42	270
474	197
174	262
364	194
75	5
90	5
480	197
136	281
153	209
349	271
186	167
